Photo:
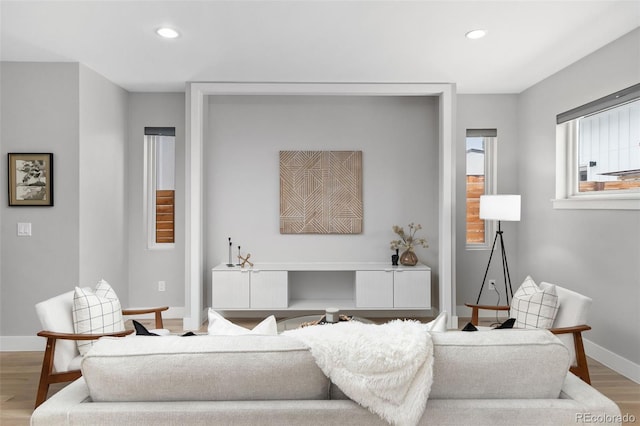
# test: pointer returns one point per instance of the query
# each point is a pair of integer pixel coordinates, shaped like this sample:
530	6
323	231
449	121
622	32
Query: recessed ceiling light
167	32
476	34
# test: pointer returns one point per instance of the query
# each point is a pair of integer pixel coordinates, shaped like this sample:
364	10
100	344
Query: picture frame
30	179
321	192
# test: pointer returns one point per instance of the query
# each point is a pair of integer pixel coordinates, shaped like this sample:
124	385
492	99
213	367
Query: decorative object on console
394	258
30	179
238	264
500	208
244	260
408	242
409	258
230	264
321	192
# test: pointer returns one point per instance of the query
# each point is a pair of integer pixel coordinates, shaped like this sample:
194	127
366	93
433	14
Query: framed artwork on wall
30	179
321	192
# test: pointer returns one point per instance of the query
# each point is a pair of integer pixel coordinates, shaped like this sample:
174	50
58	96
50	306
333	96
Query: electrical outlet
162	285
492	284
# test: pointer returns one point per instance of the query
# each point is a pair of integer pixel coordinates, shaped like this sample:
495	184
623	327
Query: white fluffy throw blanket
386	368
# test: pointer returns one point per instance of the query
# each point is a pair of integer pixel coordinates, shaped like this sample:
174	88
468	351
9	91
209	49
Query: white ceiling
315	41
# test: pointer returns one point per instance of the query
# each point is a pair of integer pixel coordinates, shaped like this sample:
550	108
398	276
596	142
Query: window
480	180
159	143
598	153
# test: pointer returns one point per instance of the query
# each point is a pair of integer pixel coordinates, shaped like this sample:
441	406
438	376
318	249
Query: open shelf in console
321	289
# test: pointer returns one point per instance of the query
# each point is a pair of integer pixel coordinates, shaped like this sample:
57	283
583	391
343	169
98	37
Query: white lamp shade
500	207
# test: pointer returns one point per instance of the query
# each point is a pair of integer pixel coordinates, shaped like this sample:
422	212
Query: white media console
316	286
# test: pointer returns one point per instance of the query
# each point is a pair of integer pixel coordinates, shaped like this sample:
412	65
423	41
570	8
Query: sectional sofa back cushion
202	368
498	364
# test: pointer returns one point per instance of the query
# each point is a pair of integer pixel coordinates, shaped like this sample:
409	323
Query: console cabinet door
412	289
269	289
230	289
374	289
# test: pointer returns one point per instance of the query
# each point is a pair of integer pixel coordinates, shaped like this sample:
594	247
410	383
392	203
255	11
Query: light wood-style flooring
20	372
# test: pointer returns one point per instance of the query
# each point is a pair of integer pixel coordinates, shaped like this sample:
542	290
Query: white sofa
499	377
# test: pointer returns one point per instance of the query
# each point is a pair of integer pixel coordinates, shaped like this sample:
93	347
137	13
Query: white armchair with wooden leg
568	325
62	358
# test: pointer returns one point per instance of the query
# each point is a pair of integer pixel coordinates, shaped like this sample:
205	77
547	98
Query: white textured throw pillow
96	311
533	307
219	325
439	324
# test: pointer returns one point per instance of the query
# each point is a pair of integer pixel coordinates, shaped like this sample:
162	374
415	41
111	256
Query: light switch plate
24	229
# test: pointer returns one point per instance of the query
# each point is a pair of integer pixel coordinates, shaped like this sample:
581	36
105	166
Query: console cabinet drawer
230	289
393	288
374	289
249	289
412	289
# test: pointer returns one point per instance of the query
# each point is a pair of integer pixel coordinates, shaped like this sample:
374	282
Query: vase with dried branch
408	242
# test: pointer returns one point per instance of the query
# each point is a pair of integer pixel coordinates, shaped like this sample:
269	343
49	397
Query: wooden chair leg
47	369
474	315
159	323
47	376
581	369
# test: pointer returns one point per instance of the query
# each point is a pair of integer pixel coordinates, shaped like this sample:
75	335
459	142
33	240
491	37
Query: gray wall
147	267
399	140
41	105
486	112
594	252
102	188
39	114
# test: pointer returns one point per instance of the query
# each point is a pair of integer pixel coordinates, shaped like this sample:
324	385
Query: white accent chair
61	361
570	322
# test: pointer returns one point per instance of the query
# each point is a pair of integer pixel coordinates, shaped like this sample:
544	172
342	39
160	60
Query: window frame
490	182
567	162
149	188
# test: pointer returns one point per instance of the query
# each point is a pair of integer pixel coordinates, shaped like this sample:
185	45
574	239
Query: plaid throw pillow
533	307
96	311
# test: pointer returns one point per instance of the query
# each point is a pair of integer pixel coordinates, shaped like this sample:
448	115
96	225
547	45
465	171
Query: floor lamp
500	208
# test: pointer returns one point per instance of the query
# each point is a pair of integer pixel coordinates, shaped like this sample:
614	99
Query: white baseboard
620	365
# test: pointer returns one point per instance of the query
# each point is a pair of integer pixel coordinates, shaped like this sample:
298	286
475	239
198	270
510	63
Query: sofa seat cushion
202	368
498	364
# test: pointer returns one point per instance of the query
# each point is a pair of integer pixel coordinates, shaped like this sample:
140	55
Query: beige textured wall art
320	192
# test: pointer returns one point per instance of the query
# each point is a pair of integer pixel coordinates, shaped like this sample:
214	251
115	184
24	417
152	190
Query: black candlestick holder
230	263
